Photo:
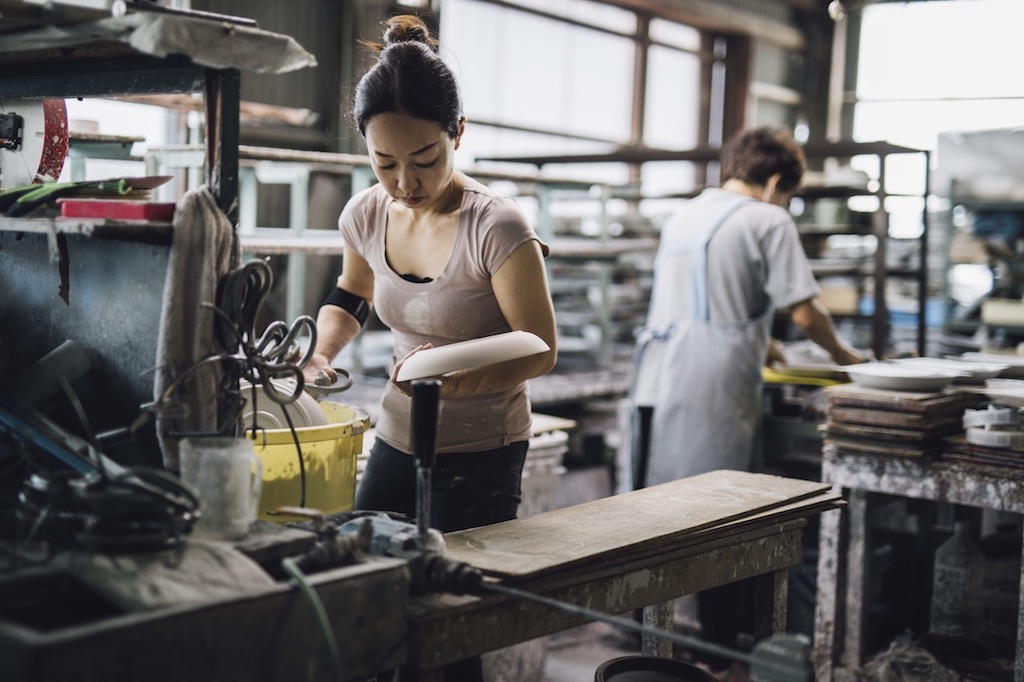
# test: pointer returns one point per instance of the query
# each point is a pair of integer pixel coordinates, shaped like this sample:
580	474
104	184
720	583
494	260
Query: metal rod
772	665
426	398
624	623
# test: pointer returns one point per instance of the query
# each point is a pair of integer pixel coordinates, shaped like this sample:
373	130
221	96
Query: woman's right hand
318	371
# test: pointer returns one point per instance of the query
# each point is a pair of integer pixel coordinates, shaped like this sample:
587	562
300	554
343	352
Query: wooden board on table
957	449
860	446
886	433
906	420
803	508
620	524
906	401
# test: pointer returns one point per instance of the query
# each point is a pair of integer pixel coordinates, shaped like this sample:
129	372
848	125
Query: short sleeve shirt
755	261
458	305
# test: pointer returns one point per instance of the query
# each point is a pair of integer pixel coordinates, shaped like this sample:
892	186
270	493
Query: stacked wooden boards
897	423
957	449
617	529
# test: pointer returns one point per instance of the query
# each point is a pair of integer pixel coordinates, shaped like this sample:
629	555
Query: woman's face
412	158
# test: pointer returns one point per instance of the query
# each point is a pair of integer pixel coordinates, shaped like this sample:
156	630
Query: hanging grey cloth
204	249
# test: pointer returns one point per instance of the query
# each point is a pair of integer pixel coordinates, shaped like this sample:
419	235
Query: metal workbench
611	555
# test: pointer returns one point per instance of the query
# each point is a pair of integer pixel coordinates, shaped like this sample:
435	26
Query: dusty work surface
690	509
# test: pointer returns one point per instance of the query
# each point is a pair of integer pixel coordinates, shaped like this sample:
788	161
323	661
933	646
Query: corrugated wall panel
318	27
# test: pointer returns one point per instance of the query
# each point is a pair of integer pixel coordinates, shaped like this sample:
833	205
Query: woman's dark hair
756	154
409	76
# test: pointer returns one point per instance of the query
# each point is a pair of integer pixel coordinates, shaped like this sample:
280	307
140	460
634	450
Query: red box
116	209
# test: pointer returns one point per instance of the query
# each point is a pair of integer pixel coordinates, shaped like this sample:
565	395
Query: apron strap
699	261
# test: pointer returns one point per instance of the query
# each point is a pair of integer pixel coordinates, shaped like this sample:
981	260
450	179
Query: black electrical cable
141	508
255	428
292	569
301	458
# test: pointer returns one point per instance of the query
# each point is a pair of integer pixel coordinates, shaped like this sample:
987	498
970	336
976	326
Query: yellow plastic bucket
328	462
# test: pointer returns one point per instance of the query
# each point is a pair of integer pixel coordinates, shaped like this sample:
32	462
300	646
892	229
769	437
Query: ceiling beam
710	16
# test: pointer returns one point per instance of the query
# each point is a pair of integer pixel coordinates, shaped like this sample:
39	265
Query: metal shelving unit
879	274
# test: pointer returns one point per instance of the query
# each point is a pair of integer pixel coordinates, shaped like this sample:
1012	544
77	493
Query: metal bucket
649	669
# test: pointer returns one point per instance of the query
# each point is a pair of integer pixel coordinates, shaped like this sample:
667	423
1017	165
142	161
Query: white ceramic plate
893	377
1006	391
270	415
1014	363
972	372
489	350
811	371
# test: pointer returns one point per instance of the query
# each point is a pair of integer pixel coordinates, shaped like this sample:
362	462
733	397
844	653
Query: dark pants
467	490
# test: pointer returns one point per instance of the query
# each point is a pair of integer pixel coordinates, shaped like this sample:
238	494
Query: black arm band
346	300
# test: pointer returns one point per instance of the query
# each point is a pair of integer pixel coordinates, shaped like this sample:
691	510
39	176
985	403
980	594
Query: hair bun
408	28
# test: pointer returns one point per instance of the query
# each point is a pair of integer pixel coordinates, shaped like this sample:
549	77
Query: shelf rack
880	316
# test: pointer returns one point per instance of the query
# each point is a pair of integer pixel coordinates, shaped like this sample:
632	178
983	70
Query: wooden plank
622	523
613	562
905	401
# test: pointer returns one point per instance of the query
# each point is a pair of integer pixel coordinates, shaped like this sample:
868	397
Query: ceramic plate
434	362
270	415
1014	363
1006	391
972	372
811	371
893	377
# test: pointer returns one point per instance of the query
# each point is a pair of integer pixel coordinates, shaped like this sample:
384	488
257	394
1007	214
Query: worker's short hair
756	154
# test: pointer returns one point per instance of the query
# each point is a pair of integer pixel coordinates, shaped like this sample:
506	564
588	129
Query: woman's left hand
406	386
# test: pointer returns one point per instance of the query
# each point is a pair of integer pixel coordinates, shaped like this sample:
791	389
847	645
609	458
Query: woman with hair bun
441	258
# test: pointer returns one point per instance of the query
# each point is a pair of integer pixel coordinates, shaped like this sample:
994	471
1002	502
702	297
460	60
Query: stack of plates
995	427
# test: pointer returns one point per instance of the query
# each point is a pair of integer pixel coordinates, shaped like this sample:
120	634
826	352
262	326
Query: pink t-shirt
457	306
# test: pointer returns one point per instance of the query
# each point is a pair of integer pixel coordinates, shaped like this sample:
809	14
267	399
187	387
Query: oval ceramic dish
440	360
893	377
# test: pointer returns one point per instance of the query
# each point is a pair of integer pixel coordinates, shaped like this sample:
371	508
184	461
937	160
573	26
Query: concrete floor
574	655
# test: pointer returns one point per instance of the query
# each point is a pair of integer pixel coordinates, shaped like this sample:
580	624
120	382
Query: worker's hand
850	356
406	386
776	354
318	371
